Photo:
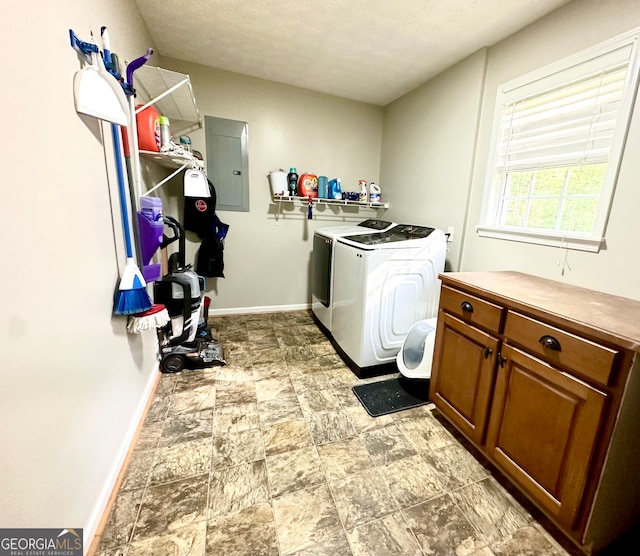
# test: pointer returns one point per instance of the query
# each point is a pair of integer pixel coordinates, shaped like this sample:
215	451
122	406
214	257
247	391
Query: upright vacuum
186	341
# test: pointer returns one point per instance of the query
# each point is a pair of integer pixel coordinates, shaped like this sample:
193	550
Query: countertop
608	317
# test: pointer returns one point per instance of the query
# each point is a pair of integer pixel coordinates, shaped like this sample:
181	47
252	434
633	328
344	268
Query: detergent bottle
335	189
292	181
148	125
374	193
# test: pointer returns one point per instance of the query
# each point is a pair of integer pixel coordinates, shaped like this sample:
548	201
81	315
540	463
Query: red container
308	186
148	122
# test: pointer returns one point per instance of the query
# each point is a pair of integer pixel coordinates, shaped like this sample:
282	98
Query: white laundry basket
415	358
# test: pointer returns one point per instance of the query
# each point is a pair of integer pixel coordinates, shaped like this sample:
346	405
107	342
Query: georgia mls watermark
41	542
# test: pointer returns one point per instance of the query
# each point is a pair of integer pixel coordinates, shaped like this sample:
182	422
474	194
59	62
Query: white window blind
557	141
570	124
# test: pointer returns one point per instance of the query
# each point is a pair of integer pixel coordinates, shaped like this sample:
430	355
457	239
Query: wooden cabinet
467	356
542	430
542	378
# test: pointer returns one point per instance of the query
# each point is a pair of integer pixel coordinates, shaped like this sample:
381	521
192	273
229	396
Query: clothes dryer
322	263
383	284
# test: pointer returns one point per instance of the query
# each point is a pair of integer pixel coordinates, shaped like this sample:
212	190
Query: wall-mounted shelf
335	202
173	95
172	161
280	200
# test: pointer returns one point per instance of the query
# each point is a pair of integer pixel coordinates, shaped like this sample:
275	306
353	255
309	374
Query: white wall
436	141
428	148
73	381
267	259
616	268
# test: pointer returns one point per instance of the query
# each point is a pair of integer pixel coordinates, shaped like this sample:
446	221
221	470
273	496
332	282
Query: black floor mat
389	396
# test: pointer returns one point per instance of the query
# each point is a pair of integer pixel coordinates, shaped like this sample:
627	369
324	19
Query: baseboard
260	309
97	522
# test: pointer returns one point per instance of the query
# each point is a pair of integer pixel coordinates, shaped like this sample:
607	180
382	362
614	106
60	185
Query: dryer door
408	293
402	304
322	247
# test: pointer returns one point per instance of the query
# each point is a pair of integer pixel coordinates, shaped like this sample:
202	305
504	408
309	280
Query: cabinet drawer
471	309
582	357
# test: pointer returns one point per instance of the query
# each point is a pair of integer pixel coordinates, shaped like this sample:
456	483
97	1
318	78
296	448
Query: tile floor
272	454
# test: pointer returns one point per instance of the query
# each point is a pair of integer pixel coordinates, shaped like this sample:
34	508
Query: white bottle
374	193
363	191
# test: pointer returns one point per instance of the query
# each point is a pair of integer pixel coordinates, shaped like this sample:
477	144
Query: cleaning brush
156	317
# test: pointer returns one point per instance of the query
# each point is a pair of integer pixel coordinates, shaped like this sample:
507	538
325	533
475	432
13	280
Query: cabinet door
542	431
463	373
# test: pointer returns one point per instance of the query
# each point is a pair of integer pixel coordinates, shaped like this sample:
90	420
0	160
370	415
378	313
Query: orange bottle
308	186
148	123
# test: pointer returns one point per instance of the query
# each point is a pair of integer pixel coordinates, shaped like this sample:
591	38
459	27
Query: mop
156	317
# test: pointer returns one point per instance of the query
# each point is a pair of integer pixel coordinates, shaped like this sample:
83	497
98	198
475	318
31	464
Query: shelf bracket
165	180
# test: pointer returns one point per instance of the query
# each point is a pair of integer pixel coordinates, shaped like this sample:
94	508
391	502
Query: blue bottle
323	187
335	189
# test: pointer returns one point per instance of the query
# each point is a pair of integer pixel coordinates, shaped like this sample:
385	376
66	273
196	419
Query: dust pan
98	94
196	184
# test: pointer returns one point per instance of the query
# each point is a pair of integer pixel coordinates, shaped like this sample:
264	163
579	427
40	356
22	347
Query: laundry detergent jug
308	186
335	189
374	193
148	124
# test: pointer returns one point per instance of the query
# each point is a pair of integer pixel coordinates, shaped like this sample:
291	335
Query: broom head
132	294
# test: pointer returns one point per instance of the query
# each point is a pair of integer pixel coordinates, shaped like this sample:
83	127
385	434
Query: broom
132	292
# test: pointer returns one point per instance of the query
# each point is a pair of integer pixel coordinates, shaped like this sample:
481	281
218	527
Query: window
557	142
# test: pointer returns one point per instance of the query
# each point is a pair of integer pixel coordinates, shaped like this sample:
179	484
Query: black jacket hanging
210	260
200	217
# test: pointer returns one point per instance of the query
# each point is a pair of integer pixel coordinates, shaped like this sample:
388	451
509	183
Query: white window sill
541	237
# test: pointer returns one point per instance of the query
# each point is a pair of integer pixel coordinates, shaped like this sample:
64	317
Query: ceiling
368	50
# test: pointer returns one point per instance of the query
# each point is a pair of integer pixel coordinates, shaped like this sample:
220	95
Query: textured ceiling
369	50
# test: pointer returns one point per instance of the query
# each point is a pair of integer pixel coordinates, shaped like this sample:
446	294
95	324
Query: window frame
537	82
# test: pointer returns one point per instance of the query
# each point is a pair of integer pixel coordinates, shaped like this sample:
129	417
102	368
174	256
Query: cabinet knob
487	352
466	307
502	359
550	342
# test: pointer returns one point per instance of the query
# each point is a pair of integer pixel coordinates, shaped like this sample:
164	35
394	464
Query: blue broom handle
117	147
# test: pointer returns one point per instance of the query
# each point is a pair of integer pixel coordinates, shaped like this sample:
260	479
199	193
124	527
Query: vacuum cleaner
186	341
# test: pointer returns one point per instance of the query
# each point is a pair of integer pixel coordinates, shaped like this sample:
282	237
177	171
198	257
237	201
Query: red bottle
148	123
308	186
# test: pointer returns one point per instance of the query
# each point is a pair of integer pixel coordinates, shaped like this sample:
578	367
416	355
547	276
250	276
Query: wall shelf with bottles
334	202
172	94
304	202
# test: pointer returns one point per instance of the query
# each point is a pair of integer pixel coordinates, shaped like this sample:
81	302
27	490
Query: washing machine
383	284
322	263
